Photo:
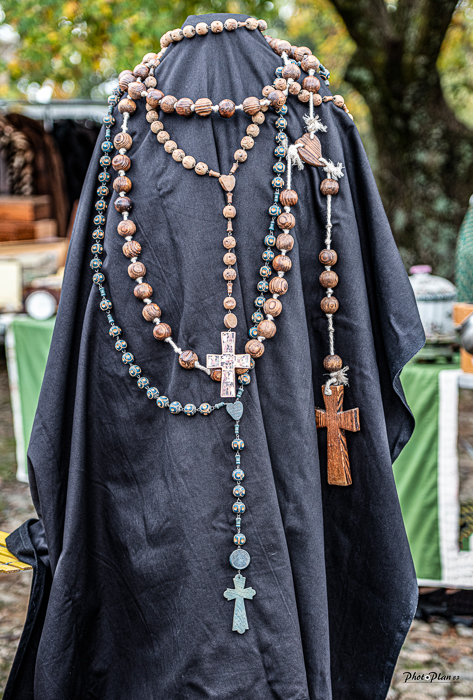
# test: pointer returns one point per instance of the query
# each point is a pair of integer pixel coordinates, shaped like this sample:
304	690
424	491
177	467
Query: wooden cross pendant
228	362
238	594
336	420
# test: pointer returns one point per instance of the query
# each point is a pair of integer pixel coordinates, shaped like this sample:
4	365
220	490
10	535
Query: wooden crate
22	208
27	230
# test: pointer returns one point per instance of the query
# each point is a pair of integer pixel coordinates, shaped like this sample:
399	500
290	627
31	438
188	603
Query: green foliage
456	63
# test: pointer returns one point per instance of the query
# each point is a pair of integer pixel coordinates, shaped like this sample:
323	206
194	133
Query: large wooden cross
336	420
228	362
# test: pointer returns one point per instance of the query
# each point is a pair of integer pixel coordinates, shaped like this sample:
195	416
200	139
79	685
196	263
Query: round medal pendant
239	559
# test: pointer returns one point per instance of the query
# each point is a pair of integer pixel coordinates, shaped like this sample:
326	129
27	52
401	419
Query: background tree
403	66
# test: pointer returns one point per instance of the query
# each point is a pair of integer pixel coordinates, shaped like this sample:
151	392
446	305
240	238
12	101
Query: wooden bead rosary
141	82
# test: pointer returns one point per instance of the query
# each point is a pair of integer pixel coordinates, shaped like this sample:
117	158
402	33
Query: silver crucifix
240	621
228	362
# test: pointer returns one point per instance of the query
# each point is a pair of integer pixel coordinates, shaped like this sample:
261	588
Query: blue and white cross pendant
240	621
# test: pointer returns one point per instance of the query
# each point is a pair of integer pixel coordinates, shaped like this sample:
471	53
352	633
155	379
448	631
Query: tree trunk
425	154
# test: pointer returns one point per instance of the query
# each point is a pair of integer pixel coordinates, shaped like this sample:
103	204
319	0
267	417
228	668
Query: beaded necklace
222	367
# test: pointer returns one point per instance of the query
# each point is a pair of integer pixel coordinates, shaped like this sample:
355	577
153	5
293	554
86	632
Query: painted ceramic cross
240	621
336	420
228	362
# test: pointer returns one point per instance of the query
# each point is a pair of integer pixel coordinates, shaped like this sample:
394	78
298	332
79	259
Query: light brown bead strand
203	107
154	97
188	162
178	155
332	363
229	274
229	242
201	168
251	106
291	71
170	146
267	329
156	127
135	89
229	303
254	348
294	88
151	311
304	96
216	27
328	279
229	258
136	270
247	143
187	359
162	331
229	211
230	320
141	71
168	103
152	116
126	106
183	107
328	257
311	83
273	307
258	118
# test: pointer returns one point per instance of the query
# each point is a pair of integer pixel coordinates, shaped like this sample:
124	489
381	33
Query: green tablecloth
28	344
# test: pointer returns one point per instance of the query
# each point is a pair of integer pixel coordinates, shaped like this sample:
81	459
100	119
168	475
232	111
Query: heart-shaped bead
228	182
235	410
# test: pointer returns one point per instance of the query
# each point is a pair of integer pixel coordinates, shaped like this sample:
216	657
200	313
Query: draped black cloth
136	502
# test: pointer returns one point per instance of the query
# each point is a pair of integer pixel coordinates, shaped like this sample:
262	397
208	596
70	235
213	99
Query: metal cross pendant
228	362
336	420
240	621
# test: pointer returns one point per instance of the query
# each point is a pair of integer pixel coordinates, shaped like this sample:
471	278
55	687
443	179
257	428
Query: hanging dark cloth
136	502
76	142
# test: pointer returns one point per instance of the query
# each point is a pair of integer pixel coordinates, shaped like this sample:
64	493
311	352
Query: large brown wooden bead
136	269
143	291
161	331
251	105
247	143
216	27
332	363
168	103
124	79
277	99
203	107
122	184
251	23
229	258
126	105
252	130
131	249
183	106
216	375
328	279
123	204
187	359
311	83
329	186
229	242
226	108
338	100
202	28
121	162
329	305
282	45
135	89
272	307
201	168
154	97
177	34
288	198
266	90
156	127
229	211
262	25
258	118
151	81
230	321
291	71
266	328
162	136
122	140
141	71
126	228
282	263
149	57
317	100
294	88
285	241
304	96
229	274
310	62
278	285
151	311
280	84
255	348
300	52
188	31
230	25
328	257
229	303
286	220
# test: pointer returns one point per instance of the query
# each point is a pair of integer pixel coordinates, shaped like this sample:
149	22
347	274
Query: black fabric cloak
136	502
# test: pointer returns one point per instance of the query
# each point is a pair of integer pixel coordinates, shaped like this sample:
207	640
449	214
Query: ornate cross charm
336	420
228	362
240	621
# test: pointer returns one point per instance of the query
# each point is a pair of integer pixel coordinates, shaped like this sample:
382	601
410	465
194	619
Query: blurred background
405	70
